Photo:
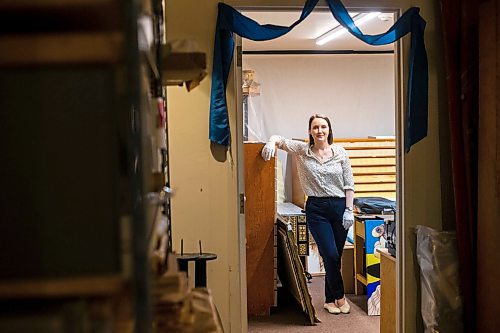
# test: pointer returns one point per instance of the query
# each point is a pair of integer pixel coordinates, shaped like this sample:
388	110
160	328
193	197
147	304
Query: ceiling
303	36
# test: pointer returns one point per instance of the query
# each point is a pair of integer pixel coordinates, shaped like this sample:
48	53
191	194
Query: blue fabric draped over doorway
230	21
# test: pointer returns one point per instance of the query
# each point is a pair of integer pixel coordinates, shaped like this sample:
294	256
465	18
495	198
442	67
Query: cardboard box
347	269
315	266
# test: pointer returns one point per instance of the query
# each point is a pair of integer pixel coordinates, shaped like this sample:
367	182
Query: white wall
355	91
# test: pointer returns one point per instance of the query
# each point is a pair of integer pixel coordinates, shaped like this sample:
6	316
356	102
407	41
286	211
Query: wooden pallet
373	164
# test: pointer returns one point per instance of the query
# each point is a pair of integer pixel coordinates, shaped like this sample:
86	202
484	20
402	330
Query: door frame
401	54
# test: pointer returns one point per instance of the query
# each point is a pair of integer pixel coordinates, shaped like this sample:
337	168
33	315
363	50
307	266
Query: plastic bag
439	277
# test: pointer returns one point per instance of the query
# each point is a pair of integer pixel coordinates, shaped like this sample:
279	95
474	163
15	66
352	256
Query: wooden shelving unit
373	164
84	136
59	288
61	49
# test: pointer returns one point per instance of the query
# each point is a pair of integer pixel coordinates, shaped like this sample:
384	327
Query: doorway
302	73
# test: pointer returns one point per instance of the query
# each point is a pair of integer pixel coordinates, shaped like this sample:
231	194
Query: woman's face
319	130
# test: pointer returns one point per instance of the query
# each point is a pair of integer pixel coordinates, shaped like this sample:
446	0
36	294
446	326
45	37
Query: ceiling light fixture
339	30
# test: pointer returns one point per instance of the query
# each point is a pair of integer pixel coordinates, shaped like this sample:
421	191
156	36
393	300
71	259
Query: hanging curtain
460	31
230	21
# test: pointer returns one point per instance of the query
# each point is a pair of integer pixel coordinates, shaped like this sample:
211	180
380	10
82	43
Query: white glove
348	219
268	151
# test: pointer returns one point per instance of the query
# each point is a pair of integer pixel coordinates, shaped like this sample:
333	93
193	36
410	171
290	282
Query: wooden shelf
388	152
388	291
358	140
365	147
60	15
375	187
359	229
76	60
60	49
373	160
361	278
391	195
373	170
51	4
379	173
87	286
359	156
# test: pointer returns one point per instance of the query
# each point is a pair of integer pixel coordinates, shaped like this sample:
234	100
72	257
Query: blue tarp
230	21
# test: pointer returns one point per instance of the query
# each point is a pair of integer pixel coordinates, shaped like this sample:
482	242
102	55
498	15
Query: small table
184	259
200	276
200	265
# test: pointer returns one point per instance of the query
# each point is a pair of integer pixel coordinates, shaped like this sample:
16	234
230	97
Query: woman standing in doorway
326	178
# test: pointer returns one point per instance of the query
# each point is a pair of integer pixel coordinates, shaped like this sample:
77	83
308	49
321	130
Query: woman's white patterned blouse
328	178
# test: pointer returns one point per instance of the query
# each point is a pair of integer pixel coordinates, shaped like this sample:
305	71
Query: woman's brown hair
330	132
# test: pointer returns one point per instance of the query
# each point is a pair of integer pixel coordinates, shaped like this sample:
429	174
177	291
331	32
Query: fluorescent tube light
340	30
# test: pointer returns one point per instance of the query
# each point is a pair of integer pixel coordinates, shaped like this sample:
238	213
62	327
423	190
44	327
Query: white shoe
332	308
345	308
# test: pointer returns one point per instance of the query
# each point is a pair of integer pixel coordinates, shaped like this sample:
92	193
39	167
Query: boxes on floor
315	265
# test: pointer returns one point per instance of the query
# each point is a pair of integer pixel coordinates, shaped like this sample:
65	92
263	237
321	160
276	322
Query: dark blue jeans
324	218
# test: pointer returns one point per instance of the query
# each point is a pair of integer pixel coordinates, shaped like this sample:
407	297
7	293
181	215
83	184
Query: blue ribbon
230	21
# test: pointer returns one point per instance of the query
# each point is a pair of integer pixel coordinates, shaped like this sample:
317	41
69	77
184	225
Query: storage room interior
285	81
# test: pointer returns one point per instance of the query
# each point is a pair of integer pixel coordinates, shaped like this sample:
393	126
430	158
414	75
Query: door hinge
242	203
239	56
